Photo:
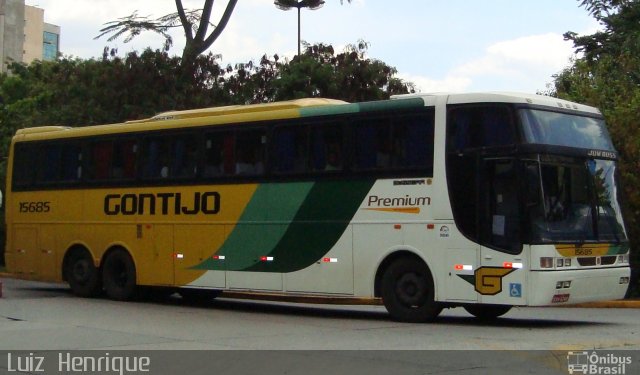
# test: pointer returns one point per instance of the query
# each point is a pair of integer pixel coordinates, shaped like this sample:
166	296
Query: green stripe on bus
321	221
376	106
618	249
261	226
391	105
329	110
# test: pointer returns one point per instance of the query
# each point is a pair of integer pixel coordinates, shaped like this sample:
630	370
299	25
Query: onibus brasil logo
595	363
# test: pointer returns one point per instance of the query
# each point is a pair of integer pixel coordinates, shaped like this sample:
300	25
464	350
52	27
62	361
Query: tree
607	76
349	76
195	23
318	72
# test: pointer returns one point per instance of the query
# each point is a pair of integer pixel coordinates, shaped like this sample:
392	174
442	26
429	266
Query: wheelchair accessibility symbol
515	290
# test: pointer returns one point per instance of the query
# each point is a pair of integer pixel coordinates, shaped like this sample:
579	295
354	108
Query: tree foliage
607	75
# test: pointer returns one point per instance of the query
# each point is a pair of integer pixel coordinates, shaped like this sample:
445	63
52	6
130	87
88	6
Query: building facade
24	36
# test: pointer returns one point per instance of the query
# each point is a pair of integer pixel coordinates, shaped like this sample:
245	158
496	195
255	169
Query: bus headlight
623	259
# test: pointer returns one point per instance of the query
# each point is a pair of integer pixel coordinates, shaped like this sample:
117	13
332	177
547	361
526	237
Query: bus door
501	277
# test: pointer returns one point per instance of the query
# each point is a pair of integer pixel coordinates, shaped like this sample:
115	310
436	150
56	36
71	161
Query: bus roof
225	115
238	109
506	97
293	109
284	109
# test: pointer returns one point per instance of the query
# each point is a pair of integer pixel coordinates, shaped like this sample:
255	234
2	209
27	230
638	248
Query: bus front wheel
408	292
119	276
82	275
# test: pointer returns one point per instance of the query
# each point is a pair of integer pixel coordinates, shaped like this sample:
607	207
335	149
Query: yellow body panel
164	242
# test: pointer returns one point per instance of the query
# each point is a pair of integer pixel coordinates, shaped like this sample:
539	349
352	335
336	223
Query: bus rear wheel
82	275
408	292
119	276
487	312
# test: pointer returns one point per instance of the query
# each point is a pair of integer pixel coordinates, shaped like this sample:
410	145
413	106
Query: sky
439	45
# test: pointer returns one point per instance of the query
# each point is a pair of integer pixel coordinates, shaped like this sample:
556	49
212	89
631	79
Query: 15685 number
34	207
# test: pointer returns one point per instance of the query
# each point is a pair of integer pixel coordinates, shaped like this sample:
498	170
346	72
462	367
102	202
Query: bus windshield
574	202
563	129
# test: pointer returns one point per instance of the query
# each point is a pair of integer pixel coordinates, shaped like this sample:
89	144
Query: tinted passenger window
170	156
477	127
394	143
327	148
291	149
112	160
59	163
250	153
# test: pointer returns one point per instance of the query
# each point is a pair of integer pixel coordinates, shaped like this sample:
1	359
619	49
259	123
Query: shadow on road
320	311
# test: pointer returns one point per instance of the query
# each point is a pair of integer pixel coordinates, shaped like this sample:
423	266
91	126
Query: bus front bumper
577	286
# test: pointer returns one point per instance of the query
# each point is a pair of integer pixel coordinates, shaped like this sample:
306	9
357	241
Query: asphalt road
40	316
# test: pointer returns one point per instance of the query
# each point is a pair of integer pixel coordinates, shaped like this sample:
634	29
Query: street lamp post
288	4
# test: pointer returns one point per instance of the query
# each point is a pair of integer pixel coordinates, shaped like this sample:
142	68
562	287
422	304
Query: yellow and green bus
482	201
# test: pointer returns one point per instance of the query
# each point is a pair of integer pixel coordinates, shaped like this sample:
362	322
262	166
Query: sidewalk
618	304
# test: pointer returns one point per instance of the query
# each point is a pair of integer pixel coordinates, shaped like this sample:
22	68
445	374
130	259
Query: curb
320	300
617	304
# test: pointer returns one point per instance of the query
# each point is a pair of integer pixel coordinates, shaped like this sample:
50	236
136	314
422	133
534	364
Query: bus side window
477	127
71	163
101	154
413	142
124	159
23	165
156	158
250	156
327	148
213	155
497	128
291	149
373	145
184	157
49	156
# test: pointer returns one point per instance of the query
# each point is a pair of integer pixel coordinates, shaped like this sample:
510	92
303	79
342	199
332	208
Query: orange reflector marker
397	226
431	226
463	267
511	265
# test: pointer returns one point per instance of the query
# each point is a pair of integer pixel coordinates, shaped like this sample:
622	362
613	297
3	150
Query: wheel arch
392	257
114	247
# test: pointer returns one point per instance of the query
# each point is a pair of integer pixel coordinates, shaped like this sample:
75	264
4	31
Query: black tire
119	276
408	292
487	312
82	275
198	296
